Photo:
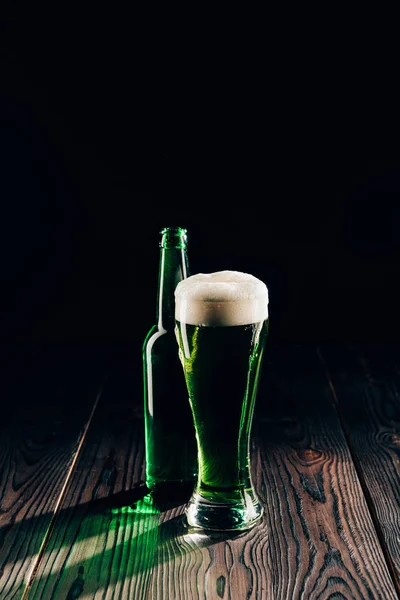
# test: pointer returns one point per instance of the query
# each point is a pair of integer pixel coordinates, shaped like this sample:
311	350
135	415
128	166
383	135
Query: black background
280	159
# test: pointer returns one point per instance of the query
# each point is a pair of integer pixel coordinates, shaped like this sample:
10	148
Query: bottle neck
173	268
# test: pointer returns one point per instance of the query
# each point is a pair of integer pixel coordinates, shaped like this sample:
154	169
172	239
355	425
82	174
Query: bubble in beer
223	298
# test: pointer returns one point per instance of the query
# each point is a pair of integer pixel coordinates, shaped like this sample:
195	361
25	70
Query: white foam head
223	298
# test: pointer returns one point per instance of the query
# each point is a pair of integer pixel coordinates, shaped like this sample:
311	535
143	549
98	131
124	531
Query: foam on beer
223	298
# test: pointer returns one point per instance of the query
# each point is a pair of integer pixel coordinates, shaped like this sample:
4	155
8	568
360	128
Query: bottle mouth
173	237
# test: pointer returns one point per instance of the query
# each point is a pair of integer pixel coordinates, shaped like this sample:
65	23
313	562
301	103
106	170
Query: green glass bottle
171	450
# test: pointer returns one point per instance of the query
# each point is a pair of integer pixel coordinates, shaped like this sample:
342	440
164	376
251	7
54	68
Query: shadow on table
116	542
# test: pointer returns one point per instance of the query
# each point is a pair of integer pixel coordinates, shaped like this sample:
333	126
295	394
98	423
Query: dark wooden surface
47	405
365	385
75	521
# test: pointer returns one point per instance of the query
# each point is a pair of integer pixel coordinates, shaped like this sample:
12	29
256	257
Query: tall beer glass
221	328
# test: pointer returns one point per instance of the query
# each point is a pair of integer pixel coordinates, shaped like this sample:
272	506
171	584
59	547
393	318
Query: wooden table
74	521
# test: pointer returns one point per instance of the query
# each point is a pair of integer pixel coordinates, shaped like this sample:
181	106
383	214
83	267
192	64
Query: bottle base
171	493
220	516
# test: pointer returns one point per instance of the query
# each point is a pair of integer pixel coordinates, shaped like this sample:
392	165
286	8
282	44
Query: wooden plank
44	415
317	538
366	384
106	533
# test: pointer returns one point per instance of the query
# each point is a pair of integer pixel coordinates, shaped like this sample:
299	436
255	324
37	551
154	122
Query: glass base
221	516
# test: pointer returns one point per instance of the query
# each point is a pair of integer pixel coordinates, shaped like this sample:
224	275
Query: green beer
220	362
221	328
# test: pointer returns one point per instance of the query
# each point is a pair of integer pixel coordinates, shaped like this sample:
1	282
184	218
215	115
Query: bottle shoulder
159	335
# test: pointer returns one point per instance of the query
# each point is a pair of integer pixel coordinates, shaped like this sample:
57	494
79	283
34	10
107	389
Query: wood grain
366	384
106	534
316	541
40	432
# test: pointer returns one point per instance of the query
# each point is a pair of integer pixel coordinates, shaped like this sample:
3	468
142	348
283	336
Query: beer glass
221	325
